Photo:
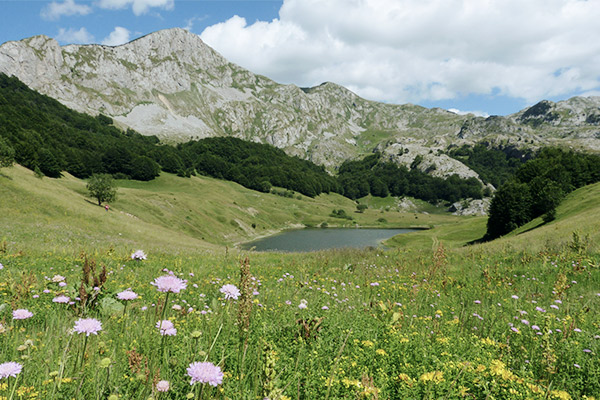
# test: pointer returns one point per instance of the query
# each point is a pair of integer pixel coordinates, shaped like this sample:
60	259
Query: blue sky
490	57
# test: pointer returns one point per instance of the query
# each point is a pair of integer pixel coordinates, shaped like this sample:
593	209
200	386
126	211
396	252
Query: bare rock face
471	207
171	84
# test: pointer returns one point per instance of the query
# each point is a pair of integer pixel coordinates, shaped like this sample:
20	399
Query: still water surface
312	239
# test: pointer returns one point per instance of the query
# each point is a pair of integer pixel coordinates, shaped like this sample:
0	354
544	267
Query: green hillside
170	213
579	212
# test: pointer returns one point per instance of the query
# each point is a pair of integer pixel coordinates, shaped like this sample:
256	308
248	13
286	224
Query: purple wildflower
61	299
230	291
22	313
138	255
88	326
127	295
166	328
205	372
169	283
10	368
162	386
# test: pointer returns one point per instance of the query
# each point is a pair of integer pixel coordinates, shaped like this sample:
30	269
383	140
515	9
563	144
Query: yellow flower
463	390
561	394
381	352
367	343
434	376
443	340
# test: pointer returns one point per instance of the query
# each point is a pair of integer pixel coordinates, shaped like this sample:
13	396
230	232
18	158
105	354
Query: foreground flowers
127	295
205	372
169	283
10	368
88	326
230	291
138	255
22	313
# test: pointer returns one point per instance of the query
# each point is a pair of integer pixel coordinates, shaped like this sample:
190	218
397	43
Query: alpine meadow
134	176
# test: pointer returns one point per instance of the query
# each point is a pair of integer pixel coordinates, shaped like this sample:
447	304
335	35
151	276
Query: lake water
312	239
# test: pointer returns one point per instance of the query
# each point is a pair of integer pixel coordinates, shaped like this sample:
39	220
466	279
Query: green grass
510	319
169	213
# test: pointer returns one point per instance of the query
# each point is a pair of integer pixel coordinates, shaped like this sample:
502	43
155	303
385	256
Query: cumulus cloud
72	36
54	10
476	113
139	7
118	36
423	50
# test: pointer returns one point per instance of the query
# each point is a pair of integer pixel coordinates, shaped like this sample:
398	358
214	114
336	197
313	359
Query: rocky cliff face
172	85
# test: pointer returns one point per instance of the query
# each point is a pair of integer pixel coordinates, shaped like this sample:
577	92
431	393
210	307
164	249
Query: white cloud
476	113
54	10
72	36
418	50
118	36
139	7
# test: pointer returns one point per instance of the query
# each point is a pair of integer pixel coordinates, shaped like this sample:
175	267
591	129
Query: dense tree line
256	166
538	187
380	178
49	137
494	165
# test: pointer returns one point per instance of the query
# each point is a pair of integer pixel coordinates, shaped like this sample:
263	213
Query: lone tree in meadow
102	187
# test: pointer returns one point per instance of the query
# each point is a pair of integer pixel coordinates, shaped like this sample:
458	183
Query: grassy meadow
427	318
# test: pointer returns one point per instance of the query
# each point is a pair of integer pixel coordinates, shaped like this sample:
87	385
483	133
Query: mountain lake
313	239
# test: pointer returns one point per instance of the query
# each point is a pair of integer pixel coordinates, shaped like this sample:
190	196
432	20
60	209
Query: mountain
171	84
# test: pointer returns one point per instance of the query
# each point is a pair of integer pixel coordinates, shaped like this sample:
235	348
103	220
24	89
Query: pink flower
138	255
166	328
205	372
162	386
10	368
22	313
61	299
230	291
169	283
88	326
127	295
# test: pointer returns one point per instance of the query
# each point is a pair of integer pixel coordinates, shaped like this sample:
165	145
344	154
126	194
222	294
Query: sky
488	57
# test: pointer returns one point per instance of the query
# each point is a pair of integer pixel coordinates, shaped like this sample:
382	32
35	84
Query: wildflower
176	307
288	302
205	372
303	304
554	306
2	328
540	309
535	327
62	284
577	365
22	313
1	266
10	368
524	321
230	291
514	329
577	330
61	299
477	302
587	351
324	308
57	278
166	328
127	295
169	283
514	296
162	386
138	255
88	326
374	283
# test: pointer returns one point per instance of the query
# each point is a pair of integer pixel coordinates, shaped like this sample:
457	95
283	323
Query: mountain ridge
171	84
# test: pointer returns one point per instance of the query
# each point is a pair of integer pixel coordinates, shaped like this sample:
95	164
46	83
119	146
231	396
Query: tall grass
378	324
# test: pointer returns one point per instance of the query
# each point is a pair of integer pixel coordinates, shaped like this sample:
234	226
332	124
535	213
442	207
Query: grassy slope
170	213
579	211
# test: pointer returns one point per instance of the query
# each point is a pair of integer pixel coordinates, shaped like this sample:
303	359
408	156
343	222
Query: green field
430	318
